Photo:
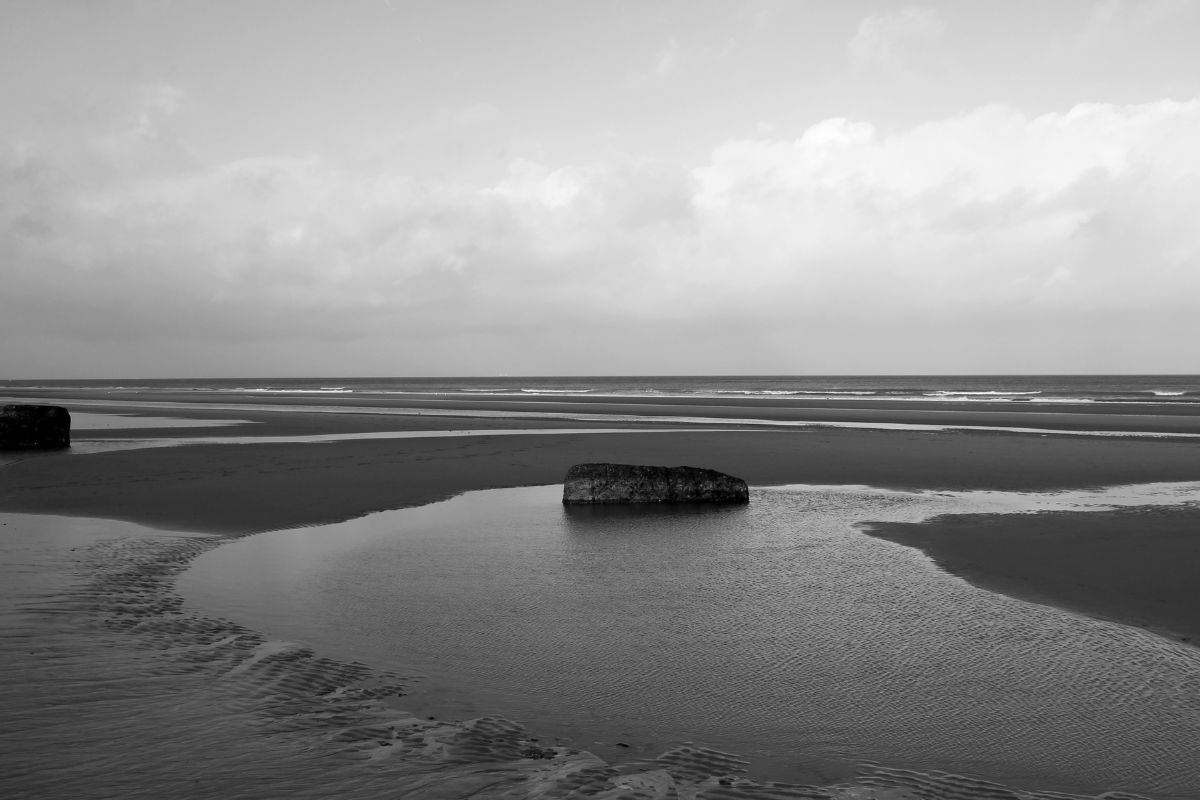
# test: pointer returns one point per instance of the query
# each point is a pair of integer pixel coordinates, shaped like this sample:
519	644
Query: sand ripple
110	687
777	632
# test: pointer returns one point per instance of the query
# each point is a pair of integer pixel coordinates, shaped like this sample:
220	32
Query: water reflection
774	630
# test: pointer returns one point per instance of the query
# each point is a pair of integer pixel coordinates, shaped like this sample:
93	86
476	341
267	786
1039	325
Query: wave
556	391
990	393
262	390
787	392
841	392
1165	393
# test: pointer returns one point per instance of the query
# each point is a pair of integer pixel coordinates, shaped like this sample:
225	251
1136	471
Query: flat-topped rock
598	484
24	427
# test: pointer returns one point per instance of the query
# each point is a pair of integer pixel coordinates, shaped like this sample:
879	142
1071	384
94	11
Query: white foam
260	390
947	393
784	393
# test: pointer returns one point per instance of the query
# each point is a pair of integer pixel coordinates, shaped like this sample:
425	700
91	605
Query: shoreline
1135	566
1160	418
266	485
237	490
222	708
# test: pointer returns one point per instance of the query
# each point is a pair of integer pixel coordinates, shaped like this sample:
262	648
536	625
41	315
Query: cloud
667	60
762	14
665	64
990	240
885	41
1113	22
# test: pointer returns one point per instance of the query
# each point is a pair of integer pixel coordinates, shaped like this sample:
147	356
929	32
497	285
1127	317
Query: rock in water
597	484
42	427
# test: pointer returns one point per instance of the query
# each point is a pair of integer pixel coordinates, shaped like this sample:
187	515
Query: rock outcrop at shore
24	427
603	484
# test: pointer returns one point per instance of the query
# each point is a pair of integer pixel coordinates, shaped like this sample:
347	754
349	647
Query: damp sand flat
241	488
1139	566
108	691
237	489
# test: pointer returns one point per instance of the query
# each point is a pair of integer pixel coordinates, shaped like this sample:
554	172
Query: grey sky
358	188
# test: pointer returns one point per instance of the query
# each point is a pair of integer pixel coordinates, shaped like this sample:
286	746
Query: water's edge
288	703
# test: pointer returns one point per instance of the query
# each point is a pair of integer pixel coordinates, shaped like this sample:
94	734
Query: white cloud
663	66
667	60
991	210
1047	232
764	13
1112	22
884	41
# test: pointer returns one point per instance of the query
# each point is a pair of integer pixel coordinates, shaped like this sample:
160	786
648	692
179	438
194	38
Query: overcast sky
363	187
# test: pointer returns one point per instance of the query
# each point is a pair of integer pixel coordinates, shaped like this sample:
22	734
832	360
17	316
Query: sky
195	188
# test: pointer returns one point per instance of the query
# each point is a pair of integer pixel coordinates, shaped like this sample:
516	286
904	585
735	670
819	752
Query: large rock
45	427
597	484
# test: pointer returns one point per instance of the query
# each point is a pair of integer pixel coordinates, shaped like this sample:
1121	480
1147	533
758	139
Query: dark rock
596	484
41	427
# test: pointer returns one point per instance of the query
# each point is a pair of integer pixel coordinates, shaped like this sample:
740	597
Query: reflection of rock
23	426
591	484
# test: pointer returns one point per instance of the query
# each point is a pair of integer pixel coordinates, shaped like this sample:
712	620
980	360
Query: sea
1037	389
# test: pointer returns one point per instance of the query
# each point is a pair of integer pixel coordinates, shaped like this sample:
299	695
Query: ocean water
778	632
1047	389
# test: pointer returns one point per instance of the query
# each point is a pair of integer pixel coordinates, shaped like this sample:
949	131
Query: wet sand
236	490
246	488
1136	566
1154	417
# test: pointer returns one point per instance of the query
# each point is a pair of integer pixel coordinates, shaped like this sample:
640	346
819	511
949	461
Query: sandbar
1136	566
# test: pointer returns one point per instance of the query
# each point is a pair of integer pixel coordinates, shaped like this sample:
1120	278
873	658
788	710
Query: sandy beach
263	486
1136	566
275	484
1129	566
337	295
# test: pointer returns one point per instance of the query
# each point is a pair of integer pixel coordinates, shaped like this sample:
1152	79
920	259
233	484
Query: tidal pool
776	631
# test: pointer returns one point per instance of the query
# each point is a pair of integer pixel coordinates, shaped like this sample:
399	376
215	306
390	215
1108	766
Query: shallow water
89	421
108	690
775	631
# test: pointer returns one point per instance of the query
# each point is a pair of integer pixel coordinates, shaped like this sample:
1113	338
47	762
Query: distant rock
39	427
600	484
